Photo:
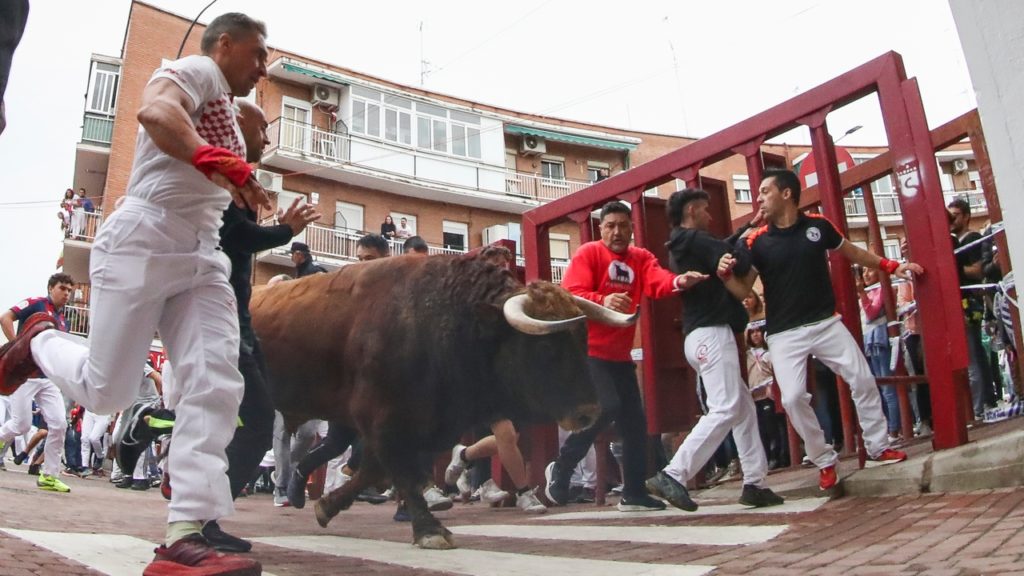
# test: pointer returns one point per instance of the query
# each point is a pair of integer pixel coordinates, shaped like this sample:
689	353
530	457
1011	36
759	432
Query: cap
299	247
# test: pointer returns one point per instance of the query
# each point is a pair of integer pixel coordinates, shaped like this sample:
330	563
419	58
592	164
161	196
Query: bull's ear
491	317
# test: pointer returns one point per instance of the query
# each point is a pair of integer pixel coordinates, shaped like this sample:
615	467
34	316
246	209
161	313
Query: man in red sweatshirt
615	274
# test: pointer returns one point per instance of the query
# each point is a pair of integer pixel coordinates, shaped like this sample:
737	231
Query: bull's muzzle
581	418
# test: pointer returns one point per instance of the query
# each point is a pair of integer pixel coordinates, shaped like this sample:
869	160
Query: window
103	88
597	171
892	249
284	200
559	246
455	235
366	113
348	216
552	170
593	175
882	186
741	188
296	131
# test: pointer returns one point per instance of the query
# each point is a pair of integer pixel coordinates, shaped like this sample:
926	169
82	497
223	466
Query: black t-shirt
794	269
708	303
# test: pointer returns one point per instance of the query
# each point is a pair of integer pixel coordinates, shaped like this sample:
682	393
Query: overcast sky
672	66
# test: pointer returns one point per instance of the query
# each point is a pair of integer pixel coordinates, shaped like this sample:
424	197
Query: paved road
98	529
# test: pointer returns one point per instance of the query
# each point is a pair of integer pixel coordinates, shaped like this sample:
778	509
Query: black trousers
13	17
255	435
619	396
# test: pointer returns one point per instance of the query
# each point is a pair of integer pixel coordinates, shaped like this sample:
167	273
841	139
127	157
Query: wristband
210	159
888	266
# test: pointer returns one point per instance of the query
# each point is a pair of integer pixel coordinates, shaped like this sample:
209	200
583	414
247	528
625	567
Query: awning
289	67
571	138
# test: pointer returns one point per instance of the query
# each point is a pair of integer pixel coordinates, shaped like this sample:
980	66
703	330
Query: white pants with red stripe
153	270
712	352
830	342
51	406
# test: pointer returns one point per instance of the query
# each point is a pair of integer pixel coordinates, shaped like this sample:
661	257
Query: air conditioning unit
494	233
959	165
323	95
532	145
271	181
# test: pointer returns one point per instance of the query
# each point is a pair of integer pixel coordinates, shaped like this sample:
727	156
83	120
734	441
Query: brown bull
412	351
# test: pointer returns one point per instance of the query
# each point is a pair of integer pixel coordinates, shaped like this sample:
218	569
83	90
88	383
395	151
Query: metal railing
78	319
889	204
97	129
313	142
85	225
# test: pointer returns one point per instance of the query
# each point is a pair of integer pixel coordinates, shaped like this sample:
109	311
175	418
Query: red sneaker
890	456
165	486
193	556
827	477
16	362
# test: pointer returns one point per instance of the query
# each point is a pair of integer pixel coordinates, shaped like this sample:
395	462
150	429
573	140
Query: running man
789	253
47	396
156	266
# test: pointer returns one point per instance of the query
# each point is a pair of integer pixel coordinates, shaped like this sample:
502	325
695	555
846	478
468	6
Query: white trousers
152	270
712	352
94	429
51	406
830	342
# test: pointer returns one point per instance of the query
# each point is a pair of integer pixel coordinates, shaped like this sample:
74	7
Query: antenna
424	63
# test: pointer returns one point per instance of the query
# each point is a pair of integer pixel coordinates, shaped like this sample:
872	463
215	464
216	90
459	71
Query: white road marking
694	535
789	507
475	562
112	554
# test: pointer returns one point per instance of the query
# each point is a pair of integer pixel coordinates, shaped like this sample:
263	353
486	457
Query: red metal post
755	167
582	218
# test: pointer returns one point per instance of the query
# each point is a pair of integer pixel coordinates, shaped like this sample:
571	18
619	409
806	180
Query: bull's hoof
323	517
436	542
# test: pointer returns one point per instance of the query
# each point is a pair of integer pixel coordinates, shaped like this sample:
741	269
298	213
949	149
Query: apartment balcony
379	165
77	317
78	242
333	249
97	129
888	206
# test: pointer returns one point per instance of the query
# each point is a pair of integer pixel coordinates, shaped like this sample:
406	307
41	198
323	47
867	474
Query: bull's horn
516	315
605	315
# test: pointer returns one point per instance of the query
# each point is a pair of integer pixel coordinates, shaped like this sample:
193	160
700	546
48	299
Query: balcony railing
97	129
889	204
78	319
84	225
390	159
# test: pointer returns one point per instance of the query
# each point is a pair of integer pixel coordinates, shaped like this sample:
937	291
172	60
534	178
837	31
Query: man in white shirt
155	266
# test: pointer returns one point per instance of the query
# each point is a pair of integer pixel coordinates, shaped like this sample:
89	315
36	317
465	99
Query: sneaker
641	503
296	490
51	484
370	496
895	439
586	496
491	493
827	477
806	462
528	502
16	362
714	476
456	467
280	498
436	500
889	456
140	485
195	552
557	487
759	497
402	514
221	540
155	481
732	471
924	430
165	486
667	487
116	477
33	469
465	486
20	458
125	482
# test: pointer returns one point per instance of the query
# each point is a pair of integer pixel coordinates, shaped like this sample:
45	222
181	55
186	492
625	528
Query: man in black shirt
790	255
711	318
303	260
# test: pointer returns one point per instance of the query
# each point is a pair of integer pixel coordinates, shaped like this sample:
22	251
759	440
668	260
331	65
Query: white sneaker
464	486
528	502
281	499
436	501
455	467
490	493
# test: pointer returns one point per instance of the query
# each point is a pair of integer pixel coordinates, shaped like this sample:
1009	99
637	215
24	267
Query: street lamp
847	133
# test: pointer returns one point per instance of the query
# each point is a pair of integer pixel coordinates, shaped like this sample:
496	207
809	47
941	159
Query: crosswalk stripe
789	507
693	535
475	562
111	554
